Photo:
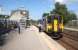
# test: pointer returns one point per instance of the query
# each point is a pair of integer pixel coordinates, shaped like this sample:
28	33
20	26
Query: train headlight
49	26
61	27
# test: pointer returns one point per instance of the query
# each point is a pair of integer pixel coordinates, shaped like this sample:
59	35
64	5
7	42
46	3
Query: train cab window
59	18
55	17
49	19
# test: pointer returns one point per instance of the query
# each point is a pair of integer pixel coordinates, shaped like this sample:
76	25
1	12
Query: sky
37	7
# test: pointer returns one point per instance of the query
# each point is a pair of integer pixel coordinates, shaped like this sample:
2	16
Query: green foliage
62	10
45	14
4	16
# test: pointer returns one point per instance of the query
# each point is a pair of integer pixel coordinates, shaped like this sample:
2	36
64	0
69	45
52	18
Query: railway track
67	45
75	38
71	33
69	40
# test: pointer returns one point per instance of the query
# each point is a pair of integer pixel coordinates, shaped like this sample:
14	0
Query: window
49	20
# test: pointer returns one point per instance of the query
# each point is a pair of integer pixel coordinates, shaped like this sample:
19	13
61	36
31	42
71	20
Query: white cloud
66	1
61	1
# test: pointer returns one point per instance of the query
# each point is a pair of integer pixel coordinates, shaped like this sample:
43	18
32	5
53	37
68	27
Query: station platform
30	39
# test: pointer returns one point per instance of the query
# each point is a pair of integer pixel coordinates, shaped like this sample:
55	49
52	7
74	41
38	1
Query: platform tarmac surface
29	39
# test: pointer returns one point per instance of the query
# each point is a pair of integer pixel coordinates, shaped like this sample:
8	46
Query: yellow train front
53	25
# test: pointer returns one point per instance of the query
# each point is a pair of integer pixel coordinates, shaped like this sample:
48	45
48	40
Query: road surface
30	39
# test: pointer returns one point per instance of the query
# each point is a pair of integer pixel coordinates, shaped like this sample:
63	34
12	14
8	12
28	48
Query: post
18	26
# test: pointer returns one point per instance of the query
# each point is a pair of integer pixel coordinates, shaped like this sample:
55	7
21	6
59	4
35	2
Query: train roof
54	15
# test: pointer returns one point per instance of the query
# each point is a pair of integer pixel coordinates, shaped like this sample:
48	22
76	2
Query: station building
21	16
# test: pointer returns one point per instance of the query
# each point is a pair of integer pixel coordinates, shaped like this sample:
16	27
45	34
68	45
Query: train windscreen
59	18
49	19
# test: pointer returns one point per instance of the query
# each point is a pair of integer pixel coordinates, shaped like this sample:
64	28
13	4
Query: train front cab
54	26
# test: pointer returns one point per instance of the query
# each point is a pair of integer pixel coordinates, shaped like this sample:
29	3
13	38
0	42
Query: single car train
53	25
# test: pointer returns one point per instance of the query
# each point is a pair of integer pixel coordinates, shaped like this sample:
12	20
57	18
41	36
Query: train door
56	26
57	22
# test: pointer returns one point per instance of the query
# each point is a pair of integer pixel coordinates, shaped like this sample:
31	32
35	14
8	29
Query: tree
4	16
45	14
62	10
